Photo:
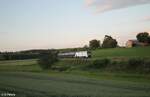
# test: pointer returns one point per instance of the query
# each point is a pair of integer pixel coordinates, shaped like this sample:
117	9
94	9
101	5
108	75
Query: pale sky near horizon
45	24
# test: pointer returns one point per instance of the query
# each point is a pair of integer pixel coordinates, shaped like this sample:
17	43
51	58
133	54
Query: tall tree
109	42
93	44
143	37
85	47
149	39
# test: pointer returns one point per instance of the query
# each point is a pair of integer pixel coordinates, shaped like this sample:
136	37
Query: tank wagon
77	54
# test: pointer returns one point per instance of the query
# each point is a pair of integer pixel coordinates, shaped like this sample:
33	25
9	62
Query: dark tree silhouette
47	59
93	44
143	37
109	42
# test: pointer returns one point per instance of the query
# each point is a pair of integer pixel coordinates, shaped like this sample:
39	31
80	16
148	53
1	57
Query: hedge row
132	65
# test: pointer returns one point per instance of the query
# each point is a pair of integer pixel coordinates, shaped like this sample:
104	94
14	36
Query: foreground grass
117	76
61	85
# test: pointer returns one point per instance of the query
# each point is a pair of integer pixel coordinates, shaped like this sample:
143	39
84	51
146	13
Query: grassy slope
18	62
57	84
19	65
118	54
122	52
74	69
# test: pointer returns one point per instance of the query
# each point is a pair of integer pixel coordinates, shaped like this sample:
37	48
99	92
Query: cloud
107	5
144	19
147	18
89	2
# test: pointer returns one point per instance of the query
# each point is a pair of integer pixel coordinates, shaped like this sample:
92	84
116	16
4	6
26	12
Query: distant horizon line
45	49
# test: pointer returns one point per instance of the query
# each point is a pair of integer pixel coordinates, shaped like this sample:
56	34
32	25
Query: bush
117	66
135	63
146	67
47	59
100	63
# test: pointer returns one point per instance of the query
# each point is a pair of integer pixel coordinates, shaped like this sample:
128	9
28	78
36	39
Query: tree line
17	56
108	42
28	54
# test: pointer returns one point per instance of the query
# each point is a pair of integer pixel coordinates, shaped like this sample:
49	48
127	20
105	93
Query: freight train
77	54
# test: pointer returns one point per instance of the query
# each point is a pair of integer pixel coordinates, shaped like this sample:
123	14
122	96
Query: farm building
131	43
134	43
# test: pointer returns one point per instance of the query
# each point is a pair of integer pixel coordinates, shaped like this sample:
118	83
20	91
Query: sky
46	24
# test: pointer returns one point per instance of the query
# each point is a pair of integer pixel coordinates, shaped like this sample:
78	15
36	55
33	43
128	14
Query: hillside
122	52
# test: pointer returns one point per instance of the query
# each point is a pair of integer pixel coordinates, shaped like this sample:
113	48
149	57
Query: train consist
78	54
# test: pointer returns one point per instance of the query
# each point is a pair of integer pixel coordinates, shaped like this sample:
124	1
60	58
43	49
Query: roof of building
134	41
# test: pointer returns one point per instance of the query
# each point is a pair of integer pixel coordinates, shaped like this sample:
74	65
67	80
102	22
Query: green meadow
68	78
122	52
25	84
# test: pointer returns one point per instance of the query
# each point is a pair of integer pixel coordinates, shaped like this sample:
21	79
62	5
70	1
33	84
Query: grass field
26	84
20	65
18	62
26	79
122	52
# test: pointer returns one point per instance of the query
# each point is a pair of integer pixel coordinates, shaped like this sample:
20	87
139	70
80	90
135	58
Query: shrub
135	63
138	65
146	67
116	66
100	63
47	59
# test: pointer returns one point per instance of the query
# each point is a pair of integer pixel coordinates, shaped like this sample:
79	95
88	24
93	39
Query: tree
109	42
143	37
149	39
47	59
94	44
85	47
